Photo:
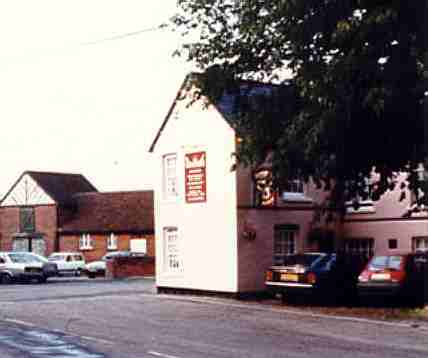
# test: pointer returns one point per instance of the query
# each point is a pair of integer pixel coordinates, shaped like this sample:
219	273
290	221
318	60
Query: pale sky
91	109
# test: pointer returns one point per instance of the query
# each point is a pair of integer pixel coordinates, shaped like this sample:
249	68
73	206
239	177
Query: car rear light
311	278
269	275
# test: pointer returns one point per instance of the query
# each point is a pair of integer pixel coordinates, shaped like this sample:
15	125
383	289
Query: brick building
47	212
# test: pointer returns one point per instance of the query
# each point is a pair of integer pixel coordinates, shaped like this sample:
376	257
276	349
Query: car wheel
6	279
91	275
78	272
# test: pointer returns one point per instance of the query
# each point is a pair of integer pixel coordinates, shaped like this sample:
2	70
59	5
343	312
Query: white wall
207	230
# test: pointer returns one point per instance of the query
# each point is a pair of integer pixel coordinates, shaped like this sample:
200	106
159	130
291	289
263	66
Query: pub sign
195	177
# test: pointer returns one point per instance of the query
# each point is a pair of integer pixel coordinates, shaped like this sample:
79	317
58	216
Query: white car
68	262
16	266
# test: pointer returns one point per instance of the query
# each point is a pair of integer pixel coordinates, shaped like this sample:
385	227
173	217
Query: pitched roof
131	211
61	187
227	104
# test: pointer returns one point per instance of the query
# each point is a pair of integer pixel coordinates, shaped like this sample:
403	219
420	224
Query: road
95	319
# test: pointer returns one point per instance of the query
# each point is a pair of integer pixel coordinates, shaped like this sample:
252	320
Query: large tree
358	71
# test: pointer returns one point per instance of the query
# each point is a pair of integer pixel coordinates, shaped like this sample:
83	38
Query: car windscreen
302	259
21	258
385	262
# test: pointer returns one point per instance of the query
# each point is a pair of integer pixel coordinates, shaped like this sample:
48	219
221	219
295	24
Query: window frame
112	242
297	192
424	239
368	250
23	219
177	267
284	233
85	242
170	180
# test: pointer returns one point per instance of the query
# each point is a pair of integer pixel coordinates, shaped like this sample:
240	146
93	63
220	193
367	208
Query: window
27	222
392	244
294	190
85	242
420	244
284	242
363	247
172	258
170	176
112	242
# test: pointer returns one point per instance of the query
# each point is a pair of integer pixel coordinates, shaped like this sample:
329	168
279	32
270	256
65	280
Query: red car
401	276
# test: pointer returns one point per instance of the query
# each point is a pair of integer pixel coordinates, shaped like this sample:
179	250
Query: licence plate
289	277
381	276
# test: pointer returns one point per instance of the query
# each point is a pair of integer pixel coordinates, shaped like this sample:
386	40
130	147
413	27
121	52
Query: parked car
18	266
98	268
327	277
403	277
68	262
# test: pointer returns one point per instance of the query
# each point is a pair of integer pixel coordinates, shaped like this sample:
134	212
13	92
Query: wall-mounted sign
195	177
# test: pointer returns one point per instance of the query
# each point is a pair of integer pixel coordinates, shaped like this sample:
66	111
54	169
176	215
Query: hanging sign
195	177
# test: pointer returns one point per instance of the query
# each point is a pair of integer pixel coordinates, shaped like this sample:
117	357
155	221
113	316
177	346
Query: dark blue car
327	277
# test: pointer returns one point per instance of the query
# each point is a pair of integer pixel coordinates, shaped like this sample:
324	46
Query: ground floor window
85	242
420	243
172	256
363	246
284	242
112	242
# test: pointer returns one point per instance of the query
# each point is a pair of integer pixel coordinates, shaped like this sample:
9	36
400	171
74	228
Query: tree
358	72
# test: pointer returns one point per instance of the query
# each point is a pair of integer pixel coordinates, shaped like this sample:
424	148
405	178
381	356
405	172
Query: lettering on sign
195	177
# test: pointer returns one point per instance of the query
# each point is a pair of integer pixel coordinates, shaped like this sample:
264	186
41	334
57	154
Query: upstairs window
294	190
170	185
27	220
85	242
112	242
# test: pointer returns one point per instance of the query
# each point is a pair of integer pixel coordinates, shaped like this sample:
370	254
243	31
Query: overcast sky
70	106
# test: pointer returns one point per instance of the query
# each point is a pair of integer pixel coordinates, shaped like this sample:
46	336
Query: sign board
139	245
195	177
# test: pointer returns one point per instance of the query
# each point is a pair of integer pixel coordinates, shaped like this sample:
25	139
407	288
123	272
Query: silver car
25	266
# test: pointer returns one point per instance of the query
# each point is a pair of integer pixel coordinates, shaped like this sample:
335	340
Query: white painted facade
27	192
207	232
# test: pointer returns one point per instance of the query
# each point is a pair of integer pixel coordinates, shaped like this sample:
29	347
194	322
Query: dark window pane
27	220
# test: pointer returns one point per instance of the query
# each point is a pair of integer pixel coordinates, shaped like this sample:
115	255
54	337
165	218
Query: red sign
195	177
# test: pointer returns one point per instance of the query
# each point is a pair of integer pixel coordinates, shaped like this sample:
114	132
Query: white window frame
172	251
285	239
296	191
112	242
85	242
364	245
170	176
423	246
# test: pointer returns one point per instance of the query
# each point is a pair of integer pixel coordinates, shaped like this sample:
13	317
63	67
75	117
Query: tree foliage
358	72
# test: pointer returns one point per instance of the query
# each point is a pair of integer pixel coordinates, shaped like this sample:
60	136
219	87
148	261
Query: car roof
65	253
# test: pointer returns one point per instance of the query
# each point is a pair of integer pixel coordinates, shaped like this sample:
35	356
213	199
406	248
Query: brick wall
99	245
122	267
46	224
9	226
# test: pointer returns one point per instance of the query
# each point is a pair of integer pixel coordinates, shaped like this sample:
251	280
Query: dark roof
228	106
131	211
61	187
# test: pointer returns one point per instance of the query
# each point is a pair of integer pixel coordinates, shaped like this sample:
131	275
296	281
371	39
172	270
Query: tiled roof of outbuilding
131	211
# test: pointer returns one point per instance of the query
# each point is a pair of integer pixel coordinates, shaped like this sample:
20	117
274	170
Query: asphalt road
94	319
